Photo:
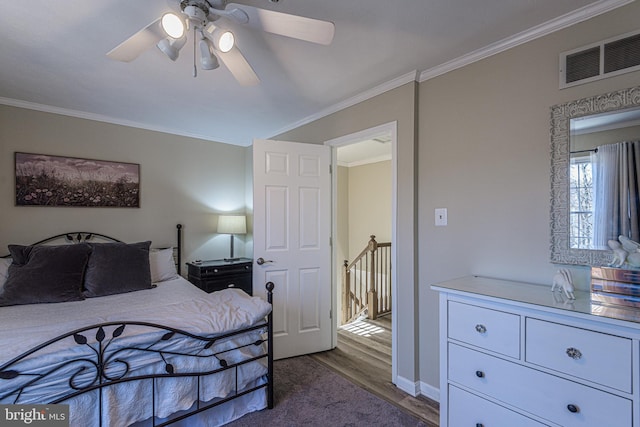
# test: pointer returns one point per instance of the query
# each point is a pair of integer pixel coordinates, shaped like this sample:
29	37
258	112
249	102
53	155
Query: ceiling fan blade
129	49
234	14
284	24
237	64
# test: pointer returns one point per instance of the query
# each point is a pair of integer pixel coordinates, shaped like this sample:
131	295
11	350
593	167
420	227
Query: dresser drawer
555	399
467	409
594	356
482	327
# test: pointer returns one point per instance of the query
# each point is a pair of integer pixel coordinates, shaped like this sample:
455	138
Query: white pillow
4	270
163	266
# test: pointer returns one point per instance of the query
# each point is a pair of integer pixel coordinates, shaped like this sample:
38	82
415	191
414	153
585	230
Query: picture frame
48	180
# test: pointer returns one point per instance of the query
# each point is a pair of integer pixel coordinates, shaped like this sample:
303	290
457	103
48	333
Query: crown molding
559	23
104	119
567	20
363	96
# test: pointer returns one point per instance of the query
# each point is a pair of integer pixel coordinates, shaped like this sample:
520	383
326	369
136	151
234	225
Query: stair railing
366	282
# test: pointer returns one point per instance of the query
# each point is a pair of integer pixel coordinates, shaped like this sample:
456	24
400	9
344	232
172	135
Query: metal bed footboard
108	363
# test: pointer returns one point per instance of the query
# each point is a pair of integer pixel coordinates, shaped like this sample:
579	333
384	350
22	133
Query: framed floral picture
44	180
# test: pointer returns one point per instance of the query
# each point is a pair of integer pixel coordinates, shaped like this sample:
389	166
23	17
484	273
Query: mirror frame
561	116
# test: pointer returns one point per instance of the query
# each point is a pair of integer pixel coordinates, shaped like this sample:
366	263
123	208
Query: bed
121	353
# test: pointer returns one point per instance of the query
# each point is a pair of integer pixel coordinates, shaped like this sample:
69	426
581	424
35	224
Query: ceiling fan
207	20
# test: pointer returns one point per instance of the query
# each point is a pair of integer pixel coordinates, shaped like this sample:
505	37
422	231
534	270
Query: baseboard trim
414	388
408	386
429	391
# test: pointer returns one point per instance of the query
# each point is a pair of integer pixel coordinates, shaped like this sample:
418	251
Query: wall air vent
600	60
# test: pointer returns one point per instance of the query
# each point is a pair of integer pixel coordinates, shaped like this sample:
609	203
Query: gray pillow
115	268
43	274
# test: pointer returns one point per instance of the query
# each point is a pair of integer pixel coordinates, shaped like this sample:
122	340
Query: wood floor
363	355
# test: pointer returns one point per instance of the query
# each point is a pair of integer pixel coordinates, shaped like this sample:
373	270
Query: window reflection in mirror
604	178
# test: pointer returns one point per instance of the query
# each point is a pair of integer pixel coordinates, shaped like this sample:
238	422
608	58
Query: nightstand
218	274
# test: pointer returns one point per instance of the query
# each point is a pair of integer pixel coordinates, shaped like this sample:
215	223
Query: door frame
384	129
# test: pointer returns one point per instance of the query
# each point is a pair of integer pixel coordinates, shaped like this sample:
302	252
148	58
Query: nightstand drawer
482	327
594	356
240	281
216	271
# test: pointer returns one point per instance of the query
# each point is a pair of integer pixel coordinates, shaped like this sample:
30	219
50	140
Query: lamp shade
232	224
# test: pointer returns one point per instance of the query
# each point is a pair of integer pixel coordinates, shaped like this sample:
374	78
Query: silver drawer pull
481	329
574	353
231	285
573	408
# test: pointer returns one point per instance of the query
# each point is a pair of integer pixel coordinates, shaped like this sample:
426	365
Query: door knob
261	261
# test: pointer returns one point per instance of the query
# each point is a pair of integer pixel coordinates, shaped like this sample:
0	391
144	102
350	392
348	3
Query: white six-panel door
291	231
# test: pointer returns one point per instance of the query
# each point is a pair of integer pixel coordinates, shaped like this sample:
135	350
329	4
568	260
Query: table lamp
232	224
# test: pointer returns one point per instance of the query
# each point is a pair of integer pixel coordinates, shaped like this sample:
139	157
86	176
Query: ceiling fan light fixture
208	60
171	47
223	40
172	25
226	41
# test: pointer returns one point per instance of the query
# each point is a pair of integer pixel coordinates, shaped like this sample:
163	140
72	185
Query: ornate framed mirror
567	246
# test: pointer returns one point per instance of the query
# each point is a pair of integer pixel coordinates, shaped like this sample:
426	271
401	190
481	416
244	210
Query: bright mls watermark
34	415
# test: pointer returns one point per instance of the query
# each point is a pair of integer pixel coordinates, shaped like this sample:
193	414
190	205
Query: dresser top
539	295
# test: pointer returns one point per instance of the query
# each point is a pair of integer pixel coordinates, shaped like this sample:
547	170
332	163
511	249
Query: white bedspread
23	327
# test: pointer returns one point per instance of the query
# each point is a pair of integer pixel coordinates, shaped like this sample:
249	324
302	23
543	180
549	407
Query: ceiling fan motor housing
195	14
218	4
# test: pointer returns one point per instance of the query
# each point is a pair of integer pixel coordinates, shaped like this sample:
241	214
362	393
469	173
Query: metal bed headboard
85	236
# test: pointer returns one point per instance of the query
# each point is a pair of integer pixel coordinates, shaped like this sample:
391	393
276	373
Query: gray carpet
309	394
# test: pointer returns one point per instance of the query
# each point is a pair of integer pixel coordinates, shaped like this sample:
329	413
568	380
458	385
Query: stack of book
615	286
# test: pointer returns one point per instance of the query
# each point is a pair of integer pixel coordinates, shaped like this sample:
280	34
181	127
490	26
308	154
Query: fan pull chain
195	70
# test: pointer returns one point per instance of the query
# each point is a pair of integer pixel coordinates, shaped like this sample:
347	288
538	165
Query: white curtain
616	175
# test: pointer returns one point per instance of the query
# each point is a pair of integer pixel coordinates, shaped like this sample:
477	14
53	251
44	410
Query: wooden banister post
372	245
372	295
346	291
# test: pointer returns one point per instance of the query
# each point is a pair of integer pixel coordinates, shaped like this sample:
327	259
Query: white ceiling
364	152
52	58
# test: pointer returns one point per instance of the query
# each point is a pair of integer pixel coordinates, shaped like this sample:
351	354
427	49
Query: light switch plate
441	217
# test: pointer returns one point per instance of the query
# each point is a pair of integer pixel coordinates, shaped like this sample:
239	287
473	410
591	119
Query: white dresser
515	355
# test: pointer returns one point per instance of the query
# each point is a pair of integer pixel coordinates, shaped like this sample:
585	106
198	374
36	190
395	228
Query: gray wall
183	180
485	155
369	205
